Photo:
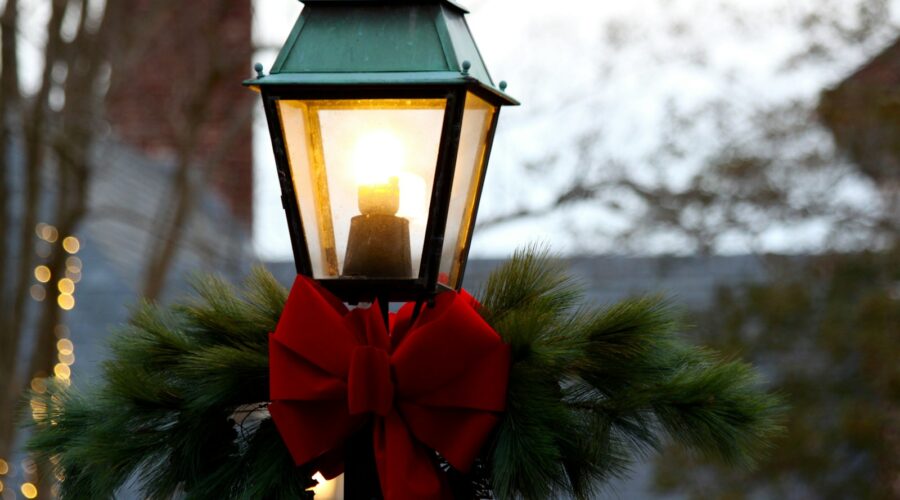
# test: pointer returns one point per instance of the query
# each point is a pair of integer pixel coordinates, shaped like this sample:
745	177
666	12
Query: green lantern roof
379	42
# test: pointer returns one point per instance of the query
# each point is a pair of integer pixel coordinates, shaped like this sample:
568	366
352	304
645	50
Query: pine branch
182	404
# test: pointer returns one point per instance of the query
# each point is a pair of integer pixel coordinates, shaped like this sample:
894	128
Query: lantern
381	115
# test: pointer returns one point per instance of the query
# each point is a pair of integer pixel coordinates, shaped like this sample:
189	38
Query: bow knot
369	384
436	384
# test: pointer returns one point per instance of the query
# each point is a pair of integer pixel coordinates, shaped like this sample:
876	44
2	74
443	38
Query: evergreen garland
182	403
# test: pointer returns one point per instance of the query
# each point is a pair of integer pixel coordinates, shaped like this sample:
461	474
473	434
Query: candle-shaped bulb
378	243
380	199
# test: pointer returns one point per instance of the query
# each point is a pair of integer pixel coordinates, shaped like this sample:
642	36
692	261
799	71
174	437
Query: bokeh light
66	359
29	490
73	264
65	346
39	385
42	274
62	371
71	244
46	232
66	286
37	292
65	301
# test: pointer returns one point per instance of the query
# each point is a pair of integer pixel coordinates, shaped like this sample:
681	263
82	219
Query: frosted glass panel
470	165
364	167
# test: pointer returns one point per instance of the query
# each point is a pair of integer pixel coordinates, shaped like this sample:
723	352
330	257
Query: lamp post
381	115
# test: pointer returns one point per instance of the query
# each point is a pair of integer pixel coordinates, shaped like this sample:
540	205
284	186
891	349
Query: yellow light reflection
65	301
29	490
42	274
1	486
62	371
71	244
39	385
66	285
38	409
37	292
47	232
4	467
65	346
66	359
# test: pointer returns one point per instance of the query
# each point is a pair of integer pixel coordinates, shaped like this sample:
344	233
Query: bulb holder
378	247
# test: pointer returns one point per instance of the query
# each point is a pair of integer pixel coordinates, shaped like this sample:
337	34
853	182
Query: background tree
90	52
825	329
693	128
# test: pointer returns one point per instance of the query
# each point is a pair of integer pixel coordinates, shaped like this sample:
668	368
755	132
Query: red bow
437	384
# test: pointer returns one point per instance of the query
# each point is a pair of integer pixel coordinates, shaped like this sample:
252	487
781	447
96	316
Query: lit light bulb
378	243
324	488
378	156
378	159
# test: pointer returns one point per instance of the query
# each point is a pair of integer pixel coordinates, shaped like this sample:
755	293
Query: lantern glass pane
363	171
470	164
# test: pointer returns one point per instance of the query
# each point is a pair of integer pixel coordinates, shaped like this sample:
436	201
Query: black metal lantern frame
373	52
364	289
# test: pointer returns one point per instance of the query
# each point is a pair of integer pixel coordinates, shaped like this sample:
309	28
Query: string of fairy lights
44	285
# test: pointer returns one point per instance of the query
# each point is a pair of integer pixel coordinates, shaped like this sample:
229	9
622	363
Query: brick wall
179	89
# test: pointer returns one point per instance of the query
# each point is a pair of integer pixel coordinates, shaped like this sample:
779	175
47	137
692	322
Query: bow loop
434	384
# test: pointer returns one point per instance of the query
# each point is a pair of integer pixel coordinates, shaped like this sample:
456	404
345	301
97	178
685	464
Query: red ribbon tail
406	469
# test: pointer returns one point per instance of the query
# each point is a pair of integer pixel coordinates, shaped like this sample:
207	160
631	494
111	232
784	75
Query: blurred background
740	156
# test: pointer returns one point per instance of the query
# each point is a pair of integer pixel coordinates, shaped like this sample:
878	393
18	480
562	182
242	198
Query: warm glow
29	490
326	490
379	161
62	371
46	232
38	385
38	293
71	244
1	486
413	204
4	467
66	285
66	359
65	301
378	156
42	274
65	346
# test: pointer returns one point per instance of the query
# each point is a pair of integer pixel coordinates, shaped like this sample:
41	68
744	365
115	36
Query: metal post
360	472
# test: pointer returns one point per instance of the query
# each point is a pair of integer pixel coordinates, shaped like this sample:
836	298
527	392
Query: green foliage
591	389
181	406
828	327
